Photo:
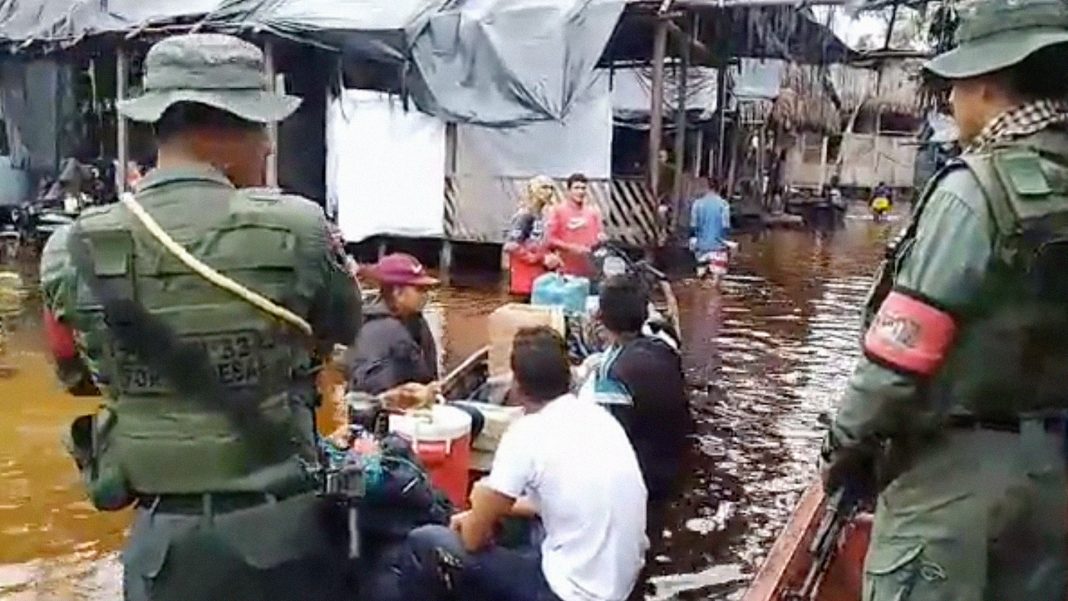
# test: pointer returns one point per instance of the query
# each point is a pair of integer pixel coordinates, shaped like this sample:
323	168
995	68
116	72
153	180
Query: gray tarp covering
361	21
632	88
506	62
37	102
632	93
759	79
489	62
581	142
54	20
24	20
362	29
493	62
15	186
499	62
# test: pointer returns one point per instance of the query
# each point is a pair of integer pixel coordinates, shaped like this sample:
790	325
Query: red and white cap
400	269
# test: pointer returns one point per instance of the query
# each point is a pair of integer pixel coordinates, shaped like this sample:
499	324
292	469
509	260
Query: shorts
715	263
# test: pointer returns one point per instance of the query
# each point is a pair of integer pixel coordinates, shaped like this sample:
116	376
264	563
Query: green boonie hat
997	34
208	68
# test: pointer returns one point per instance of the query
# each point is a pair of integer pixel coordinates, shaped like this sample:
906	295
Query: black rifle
838	511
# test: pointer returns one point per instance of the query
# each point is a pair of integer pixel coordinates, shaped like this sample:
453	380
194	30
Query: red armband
60	338
910	335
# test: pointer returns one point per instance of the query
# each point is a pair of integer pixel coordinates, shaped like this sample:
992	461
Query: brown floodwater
764	358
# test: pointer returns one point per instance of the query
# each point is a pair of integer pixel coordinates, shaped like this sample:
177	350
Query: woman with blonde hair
526	248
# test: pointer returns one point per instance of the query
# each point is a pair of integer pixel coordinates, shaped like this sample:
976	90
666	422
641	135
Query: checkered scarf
1024	120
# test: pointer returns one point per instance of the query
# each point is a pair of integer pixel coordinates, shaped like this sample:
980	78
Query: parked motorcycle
586	336
37	223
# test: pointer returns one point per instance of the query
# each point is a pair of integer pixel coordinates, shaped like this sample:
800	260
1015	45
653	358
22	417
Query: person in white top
567	462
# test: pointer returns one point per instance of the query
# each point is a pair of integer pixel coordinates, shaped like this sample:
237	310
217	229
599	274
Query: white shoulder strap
208	273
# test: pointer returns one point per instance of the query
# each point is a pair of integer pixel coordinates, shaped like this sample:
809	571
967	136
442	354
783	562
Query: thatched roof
820	98
889	86
805	103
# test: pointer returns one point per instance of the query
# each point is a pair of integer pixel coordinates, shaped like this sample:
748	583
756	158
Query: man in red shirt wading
575	227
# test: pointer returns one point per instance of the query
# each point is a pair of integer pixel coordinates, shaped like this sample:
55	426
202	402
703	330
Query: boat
819	556
469	379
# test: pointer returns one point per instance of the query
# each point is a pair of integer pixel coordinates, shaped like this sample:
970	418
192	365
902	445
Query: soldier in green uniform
208	422
959	398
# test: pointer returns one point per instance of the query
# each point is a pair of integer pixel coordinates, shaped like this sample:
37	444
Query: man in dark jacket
395	345
641	382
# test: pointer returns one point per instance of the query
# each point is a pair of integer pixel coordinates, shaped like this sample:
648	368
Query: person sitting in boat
395	357
526	247
395	345
640	381
592	509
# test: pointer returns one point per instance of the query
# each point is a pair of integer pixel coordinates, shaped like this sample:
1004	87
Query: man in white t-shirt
569	463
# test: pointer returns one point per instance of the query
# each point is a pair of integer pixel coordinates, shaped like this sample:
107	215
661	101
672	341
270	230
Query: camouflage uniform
957	399
208	421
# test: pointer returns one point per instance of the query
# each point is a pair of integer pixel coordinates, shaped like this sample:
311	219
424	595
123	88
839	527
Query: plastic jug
555	290
442	441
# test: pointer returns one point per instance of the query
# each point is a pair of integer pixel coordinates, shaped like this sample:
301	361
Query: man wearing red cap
395	346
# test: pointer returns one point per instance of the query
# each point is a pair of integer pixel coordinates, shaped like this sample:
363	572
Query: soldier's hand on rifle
847	467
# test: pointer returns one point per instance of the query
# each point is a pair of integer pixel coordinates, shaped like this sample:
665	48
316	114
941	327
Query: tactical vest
1012	344
1011	354
161	441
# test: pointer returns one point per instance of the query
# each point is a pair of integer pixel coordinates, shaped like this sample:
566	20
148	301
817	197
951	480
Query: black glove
852	468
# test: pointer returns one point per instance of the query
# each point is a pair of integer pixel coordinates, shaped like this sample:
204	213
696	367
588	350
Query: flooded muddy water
764	358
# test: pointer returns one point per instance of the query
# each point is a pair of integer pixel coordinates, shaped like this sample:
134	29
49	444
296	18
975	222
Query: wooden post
445	258
875	147
761	170
823	161
721	108
450	149
732	166
680	133
699	151
122	146
272	128
712	158
445	262
656	111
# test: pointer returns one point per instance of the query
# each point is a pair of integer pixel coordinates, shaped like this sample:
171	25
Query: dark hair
714	185
539	363
184	116
1040	76
576	178
624	304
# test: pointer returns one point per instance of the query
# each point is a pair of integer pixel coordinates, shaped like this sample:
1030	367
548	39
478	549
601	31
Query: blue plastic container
555	290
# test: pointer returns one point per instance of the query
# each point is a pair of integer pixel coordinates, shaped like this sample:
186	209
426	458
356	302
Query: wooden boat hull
788	564
467	377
